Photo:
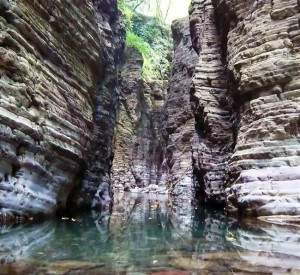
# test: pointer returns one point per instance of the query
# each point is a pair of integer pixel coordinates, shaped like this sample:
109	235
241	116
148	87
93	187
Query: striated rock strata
138	144
246	88
53	55
227	131
214	136
95	188
179	124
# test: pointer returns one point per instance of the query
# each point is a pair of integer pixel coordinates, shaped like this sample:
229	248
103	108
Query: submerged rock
282	220
69	267
193	264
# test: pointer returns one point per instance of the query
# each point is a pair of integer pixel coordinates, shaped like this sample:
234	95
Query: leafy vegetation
150	36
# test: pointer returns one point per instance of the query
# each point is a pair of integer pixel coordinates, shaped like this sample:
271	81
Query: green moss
151	38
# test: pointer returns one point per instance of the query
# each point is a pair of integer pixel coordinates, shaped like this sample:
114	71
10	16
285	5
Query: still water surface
144	235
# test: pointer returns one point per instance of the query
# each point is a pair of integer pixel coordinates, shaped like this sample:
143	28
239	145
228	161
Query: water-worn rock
249	66
263	59
53	54
282	220
281	239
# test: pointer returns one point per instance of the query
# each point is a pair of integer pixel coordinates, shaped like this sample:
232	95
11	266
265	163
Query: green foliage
127	14
133	40
150	37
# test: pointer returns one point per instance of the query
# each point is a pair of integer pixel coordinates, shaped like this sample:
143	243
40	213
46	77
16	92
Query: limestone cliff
53	61
95	188
246	90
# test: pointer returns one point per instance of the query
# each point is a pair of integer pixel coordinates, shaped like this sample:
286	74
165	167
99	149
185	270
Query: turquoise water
145	235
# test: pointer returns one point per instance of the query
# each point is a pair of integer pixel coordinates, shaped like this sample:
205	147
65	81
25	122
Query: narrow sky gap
177	9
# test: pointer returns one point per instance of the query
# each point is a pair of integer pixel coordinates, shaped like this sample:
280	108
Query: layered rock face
179	125
95	188
258	42
53	54
138	143
227	131
214	136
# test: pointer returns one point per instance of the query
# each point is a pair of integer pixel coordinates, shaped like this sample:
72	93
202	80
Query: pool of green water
146	235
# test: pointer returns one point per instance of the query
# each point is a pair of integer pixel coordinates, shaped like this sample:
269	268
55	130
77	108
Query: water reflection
145	234
21	242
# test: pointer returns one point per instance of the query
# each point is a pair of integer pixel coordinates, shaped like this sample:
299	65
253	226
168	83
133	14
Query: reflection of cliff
21	242
145	235
178	229
210	228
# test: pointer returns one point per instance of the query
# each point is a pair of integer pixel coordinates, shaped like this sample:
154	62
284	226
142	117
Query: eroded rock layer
263	59
52	55
95	188
179	123
138	142
209	99
260	49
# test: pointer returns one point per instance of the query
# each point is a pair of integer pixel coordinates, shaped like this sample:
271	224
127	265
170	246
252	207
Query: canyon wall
54	59
155	126
179	123
138	147
230	121
212	110
246	90
94	187
77	117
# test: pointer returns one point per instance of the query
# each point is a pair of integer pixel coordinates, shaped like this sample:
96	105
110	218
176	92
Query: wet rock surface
53	55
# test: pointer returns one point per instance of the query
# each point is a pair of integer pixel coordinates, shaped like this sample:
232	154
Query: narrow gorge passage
149	136
99	97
